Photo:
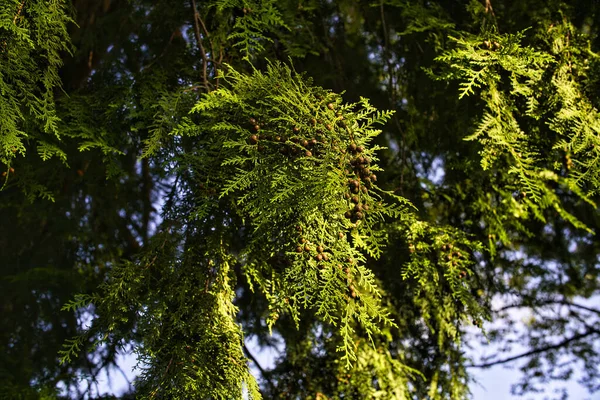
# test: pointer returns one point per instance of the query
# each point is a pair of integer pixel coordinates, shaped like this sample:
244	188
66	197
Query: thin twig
124	375
164	51
392	90
219	63
196	87
18	12
164	375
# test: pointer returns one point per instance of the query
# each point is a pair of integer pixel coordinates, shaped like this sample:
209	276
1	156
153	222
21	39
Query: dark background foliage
94	181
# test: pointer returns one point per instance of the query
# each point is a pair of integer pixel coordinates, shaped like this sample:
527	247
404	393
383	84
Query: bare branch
264	373
549	302
538	350
212	49
200	45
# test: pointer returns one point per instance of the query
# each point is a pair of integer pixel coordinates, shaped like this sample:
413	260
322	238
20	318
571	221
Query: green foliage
250	31
543	130
284	156
32	36
292	166
195	350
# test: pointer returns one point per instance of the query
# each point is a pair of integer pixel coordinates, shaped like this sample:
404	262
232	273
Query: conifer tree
363	182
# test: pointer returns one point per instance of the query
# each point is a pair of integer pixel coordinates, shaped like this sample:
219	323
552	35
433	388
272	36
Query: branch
146	199
386	51
212	49
536	351
549	302
488	7
176	33
264	373
4	41
164	374
129	385
200	45
129	238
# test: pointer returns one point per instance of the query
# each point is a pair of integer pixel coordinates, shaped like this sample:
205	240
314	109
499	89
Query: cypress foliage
33	38
293	168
